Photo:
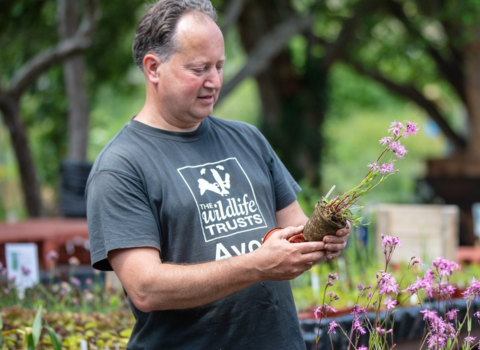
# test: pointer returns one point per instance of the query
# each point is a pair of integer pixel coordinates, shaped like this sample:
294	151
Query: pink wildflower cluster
444	267
383	166
389	244
440	330
392	144
472	292
387	283
325	308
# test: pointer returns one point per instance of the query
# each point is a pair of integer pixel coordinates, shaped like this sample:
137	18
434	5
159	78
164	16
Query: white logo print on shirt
224	197
220	186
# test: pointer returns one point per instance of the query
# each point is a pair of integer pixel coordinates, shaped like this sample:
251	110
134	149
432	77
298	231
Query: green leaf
56	343
1	328
30	342
37	327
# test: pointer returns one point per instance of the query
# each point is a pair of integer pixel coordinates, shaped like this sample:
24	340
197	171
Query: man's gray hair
156	30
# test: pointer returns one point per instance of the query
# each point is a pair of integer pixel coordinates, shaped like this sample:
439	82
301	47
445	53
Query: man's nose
214	79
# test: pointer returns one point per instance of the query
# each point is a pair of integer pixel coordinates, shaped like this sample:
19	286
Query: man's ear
151	65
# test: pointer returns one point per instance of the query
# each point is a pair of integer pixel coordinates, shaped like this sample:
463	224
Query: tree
426	52
16	81
293	90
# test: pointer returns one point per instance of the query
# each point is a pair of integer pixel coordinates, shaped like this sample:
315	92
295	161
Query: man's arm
293	215
153	285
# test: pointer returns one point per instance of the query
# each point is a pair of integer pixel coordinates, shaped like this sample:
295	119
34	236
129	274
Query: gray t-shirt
198	196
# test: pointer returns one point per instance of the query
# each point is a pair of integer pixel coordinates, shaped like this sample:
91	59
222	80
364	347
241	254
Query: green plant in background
76	312
30	336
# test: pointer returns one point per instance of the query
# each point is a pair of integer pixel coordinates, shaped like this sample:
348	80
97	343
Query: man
178	203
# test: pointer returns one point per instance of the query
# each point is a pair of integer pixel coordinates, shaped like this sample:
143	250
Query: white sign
22	265
476	219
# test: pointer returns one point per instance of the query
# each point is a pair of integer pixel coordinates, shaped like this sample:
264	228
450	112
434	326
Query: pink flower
473	291
357	310
96	272
386	140
357	326
75	281
445	267
74	261
88	281
390	303
415	286
436	342
323	310
333	276
387	168
332	326
390	241
373	167
400	151
52	255
410	129
451	314
387	284
333	296
469	339
428	314
362	348
477	314
382	331
395	128
416	260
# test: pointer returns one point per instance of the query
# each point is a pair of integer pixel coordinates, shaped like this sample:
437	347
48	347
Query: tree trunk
457	178
472	74
74	72
31	189
293	104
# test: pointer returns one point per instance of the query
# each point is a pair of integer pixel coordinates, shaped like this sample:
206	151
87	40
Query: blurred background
321	79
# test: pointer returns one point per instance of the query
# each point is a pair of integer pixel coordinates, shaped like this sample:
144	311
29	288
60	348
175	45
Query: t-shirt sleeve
119	216
286	188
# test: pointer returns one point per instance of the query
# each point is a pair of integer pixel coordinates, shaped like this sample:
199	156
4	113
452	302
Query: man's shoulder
118	153
234	125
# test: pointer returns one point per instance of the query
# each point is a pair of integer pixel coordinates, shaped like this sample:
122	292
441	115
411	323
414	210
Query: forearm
153	285
171	286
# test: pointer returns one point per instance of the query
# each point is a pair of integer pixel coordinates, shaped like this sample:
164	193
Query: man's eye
199	70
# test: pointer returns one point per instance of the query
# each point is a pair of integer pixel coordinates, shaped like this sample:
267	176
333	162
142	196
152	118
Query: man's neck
151	116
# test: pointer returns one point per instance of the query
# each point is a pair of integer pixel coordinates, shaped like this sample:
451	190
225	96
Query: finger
334	239
290	231
310	247
335	247
332	255
322	259
313	258
344	231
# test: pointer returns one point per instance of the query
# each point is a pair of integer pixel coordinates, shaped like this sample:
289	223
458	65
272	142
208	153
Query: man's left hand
335	244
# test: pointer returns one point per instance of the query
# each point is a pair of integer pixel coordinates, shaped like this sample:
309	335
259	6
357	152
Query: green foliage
353	129
65	330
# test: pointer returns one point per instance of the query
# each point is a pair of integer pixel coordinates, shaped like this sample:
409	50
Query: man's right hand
278	260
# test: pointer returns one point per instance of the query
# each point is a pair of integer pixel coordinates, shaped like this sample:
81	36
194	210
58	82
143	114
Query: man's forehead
198	32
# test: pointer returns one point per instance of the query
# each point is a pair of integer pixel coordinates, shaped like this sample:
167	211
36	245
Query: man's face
190	81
